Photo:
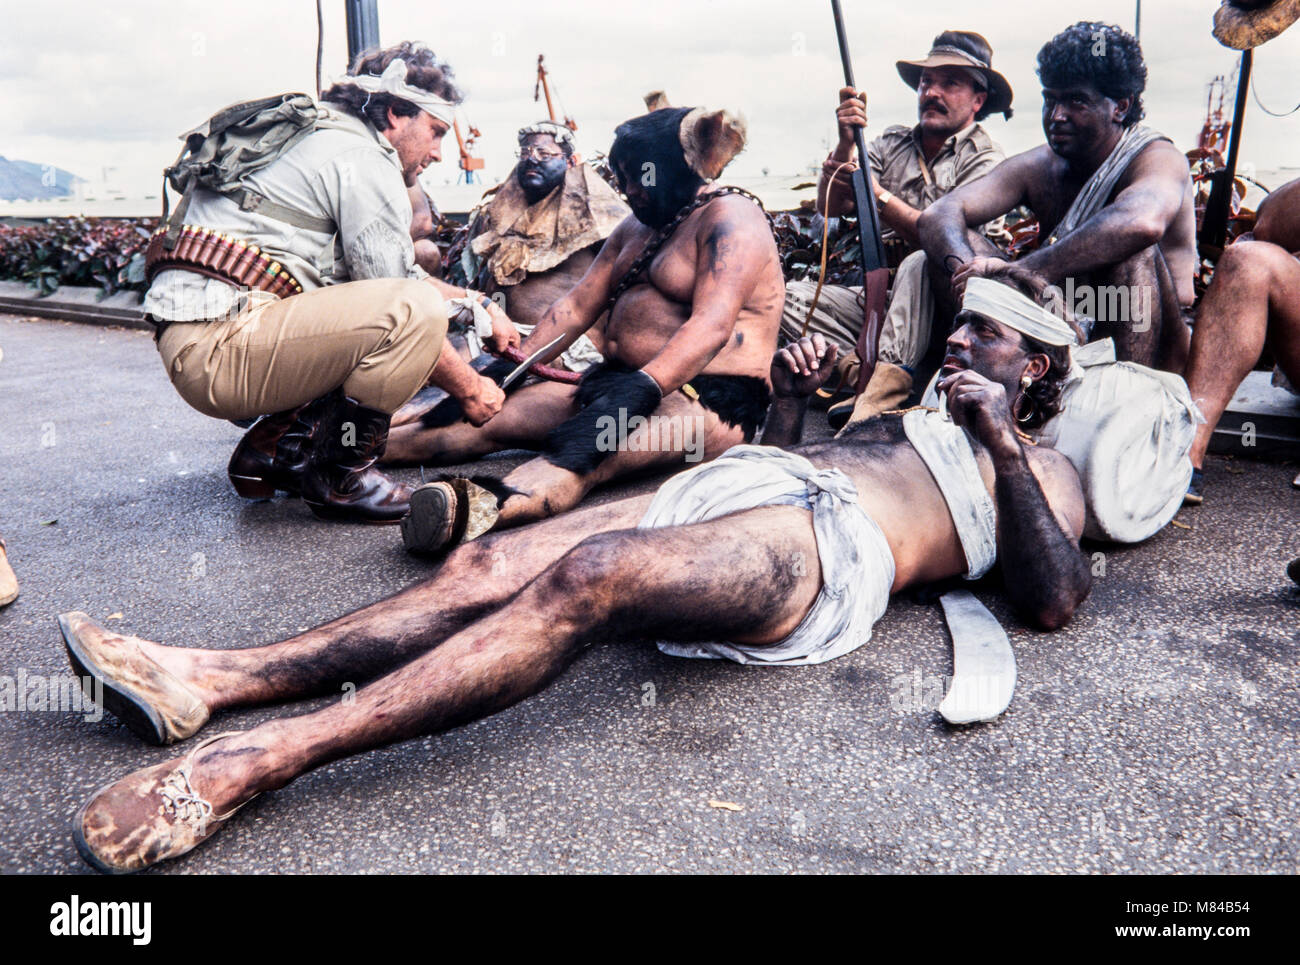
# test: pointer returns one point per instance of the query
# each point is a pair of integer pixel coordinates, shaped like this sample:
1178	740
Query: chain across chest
661	237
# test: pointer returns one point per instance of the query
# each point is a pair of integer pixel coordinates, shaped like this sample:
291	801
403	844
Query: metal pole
1218	208
363	27
1137	24
1239	110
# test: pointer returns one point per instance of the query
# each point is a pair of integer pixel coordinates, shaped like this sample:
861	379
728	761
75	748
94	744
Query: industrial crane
543	87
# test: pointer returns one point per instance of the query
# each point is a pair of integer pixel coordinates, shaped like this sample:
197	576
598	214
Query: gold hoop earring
1024	396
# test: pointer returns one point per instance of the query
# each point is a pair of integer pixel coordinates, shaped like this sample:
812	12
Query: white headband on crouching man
1004	304
393	81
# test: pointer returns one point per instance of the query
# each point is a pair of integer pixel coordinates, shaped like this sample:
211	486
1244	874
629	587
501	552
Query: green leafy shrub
103	252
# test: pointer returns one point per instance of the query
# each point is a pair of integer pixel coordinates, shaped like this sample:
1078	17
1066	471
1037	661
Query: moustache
934	105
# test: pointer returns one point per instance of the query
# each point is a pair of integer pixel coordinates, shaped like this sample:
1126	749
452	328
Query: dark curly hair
1045	393
423	70
1100	55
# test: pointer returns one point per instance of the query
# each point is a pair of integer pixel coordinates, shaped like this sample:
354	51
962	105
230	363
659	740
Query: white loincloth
1128	431
857	565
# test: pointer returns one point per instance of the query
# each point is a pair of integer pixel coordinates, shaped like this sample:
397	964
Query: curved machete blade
983	664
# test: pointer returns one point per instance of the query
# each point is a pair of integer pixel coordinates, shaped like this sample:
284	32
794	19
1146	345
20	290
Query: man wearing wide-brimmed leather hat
1245	24
911	167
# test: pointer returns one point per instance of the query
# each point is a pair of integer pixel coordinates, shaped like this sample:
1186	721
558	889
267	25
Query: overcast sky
94	85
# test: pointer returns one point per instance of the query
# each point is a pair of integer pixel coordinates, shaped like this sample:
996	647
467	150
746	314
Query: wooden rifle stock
875	270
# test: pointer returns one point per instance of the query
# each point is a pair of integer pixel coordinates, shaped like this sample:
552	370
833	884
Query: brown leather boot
340	481
273	454
888	388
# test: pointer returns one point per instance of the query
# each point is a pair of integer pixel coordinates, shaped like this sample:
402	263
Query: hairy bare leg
525	419
368	642
1253	301
679	434
731	578
1136	304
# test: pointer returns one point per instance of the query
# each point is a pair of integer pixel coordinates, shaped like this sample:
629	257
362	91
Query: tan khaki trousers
379	339
905	331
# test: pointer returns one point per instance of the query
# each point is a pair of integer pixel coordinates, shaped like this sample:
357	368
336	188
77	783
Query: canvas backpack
232	144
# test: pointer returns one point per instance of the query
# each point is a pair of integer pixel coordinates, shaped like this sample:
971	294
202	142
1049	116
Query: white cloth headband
1004	304
561	133
393	81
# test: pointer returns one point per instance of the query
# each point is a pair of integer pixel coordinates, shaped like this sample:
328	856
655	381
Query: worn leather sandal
147	817
446	513
8	582
154	704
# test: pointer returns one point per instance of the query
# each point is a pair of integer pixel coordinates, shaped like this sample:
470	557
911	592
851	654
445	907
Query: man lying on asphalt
722	552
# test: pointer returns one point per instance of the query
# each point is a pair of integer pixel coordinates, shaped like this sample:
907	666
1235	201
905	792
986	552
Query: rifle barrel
873	248
844	43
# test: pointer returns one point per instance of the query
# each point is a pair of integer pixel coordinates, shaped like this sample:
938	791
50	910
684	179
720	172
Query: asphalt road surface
1156	733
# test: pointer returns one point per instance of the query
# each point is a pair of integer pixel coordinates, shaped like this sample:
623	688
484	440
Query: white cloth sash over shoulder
1096	191
946	452
984	666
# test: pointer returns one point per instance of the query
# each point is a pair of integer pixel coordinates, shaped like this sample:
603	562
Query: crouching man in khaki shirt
357	329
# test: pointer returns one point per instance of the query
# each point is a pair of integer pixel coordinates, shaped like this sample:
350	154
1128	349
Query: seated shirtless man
542	229
532	239
688	343
1253	303
1113	200
720	553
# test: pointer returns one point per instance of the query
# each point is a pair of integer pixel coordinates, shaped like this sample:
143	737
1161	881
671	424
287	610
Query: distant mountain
25	181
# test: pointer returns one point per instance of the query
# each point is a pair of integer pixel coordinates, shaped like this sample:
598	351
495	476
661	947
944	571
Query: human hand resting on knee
980	267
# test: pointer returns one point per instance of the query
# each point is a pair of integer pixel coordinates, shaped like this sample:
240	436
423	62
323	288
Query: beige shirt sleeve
979	155
367	198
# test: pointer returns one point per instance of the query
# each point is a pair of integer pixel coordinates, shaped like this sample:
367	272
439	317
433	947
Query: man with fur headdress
554	212
693	286
537	233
